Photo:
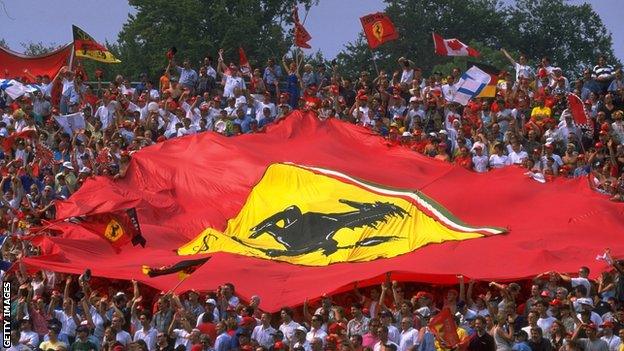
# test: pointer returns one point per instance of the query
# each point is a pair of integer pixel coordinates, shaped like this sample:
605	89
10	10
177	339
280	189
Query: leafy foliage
572	35
198	28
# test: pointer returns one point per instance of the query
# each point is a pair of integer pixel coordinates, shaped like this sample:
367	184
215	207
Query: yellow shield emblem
315	217
378	30
113	231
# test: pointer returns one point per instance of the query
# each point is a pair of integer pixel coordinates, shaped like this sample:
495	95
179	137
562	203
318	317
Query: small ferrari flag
245	67
183	268
119	227
301	34
577	109
444	328
86	46
378	29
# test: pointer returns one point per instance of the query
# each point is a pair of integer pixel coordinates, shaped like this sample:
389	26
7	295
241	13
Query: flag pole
71	58
179	283
374	61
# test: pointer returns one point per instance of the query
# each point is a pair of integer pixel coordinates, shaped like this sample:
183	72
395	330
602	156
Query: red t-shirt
208	329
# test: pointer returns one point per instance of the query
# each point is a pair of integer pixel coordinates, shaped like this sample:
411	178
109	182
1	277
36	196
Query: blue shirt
521	346
428	342
223	342
270	77
188	77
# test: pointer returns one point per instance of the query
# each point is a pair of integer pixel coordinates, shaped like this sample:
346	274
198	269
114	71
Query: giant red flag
379	29
13	64
310	206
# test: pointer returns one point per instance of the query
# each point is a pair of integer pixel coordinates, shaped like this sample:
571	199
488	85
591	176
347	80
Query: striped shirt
602	71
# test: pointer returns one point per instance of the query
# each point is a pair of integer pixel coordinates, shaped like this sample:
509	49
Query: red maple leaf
454	44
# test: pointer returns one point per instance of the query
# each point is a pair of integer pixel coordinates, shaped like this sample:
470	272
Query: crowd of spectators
527	124
553	312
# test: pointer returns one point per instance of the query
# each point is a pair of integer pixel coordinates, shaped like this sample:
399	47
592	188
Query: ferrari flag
119	227
272	213
378	29
85	46
302	37
444	328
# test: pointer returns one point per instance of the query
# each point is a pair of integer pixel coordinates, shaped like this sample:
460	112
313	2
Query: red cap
278	345
607	324
555	303
591	326
196	347
599	145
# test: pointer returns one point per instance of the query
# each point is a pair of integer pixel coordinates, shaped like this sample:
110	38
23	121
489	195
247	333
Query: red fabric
301	34
444	328
577	109
379	29
438	44
442	45
243	62
185	185
9	142
98	223
49	63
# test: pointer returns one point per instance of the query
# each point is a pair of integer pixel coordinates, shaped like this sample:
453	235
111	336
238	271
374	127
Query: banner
118	227
490	90
245	67
444	328
13	64
378	29
85	46
577	109
71	122
470	85
329	216
302	37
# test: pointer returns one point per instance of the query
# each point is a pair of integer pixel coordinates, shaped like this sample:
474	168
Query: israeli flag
470	85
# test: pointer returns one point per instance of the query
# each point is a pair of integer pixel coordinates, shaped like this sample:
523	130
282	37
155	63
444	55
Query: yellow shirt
461	332
621	347
540	113
47	345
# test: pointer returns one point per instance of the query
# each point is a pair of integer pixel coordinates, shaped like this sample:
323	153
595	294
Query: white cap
424	311
443	131
585	301
413	99
211	301
68	165
302	328
406	134
85	170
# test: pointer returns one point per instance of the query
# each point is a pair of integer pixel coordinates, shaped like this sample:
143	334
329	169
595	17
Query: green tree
39	48
198	28
572	35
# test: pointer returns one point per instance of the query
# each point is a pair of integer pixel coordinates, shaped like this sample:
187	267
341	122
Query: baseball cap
211	301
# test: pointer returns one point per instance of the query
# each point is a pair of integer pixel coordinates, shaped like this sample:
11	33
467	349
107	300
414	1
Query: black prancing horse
303	233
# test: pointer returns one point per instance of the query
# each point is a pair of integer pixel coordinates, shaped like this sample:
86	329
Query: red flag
245	67
378	29
118	227
47	64
9	142
452	47
193	207
444	328
301	34
577	109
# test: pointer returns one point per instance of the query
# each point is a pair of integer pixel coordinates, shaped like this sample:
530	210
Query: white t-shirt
378	346
516	158
318	333
289	330
31	336
499	161
148	336
123	337
614	342
480	163
182	338
263	335
230	84
408	339
545	324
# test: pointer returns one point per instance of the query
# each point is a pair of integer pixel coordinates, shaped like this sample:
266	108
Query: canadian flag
452	47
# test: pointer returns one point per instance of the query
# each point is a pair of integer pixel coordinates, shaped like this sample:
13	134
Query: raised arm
513	62
462	288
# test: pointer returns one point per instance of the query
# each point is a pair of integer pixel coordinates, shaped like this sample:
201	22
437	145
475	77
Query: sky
332	23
